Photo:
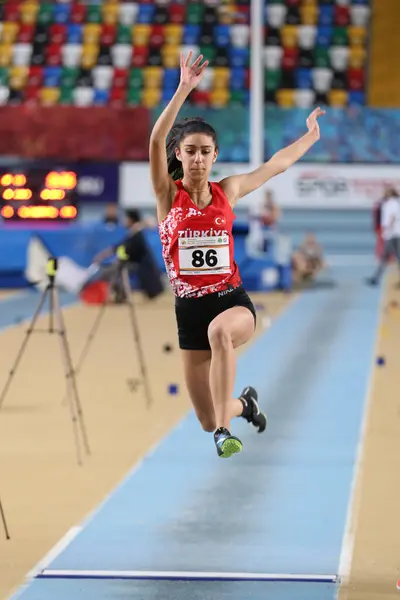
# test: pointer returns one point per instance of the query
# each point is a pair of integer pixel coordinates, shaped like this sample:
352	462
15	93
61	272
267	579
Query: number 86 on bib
204	256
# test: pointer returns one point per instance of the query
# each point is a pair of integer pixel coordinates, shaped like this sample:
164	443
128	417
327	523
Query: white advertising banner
302	186
333	186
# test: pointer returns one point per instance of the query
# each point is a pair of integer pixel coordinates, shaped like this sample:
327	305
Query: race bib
204	256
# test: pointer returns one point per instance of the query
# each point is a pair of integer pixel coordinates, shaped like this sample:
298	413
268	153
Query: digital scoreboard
38	193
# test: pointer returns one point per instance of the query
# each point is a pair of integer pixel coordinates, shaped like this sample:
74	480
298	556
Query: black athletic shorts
194	315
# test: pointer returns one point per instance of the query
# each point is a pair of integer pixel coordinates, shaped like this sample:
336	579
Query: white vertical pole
257	83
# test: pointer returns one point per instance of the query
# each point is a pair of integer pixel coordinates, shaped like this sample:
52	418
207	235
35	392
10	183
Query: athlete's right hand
192	72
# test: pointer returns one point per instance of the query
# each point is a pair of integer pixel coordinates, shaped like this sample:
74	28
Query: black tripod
72	391
121	278
3	518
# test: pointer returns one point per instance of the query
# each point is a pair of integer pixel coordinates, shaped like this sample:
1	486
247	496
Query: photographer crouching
139	259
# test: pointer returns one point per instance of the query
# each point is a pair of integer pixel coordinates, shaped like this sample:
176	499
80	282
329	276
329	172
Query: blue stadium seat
52	76
324	35
326	15
74	35
191	34
246	98
61	12
238	78
167	94
146	13
222	35
101	97
171	78
239	57
357	97
304	79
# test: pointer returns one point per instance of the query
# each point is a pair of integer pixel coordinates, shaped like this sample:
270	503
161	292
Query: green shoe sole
230	447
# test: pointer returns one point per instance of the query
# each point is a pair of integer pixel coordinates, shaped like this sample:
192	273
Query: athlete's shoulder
218	189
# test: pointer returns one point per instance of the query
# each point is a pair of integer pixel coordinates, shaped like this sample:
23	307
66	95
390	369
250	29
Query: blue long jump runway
268	523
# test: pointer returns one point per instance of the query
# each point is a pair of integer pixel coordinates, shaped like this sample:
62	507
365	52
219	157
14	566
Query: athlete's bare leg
227	331
196	365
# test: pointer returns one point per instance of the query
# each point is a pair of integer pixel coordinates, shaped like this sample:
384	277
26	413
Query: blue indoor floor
278	508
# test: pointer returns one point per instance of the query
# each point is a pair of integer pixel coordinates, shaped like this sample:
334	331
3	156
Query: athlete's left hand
192	72
312	122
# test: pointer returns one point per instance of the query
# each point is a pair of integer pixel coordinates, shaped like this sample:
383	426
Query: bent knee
219	336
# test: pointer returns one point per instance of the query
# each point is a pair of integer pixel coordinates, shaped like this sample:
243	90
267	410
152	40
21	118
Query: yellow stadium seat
91	33
90	50
90	53
152	77
49	96
140	34
219	98
5	54
28	12
18	77
357	35
310	2
151	97
338	98
170	55
309	14
173	34
221	78
286	98
289	34
88	62
18	71
227	13
110	12
9	32
357	56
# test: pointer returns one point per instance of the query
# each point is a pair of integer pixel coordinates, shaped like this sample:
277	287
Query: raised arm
237	186
163	185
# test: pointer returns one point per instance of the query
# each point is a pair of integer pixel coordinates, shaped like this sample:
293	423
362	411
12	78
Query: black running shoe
226	443
251	409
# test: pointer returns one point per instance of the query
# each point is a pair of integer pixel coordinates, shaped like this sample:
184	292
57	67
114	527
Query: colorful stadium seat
117	52
317	48
49	96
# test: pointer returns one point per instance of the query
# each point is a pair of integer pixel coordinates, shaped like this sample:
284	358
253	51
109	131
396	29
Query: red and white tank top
198	246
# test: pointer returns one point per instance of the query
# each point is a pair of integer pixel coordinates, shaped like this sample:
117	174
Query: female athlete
214	313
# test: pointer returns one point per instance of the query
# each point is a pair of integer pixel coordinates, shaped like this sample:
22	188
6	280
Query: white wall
303	185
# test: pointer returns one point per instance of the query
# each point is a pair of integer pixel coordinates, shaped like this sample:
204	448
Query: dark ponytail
179	131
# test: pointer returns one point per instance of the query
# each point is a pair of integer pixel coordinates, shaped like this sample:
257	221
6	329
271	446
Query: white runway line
184	576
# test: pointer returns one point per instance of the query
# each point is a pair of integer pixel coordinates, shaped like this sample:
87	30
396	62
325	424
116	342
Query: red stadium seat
157	36
355	79
200	98
25	34
290	58
11	11
140	56
120	78
78	13
177	13
31	92
117	96
58	33
35	76
108	35
342	16
53	54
